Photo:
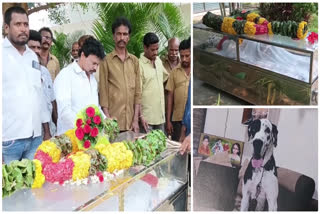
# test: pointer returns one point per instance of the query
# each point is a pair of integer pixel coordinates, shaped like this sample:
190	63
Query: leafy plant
164	19
288	11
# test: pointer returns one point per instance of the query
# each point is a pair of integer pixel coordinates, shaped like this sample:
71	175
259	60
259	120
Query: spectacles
47	37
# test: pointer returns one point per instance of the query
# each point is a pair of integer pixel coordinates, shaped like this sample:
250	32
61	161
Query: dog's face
263	135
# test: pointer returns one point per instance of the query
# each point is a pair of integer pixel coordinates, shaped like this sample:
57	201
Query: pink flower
312	37
94	132
101	178
89	121
79	122
90	111
87	129
87	144
97	120
79	133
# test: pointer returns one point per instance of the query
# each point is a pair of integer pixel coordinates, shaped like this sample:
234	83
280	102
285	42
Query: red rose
89	121
90	111
87	144
239	18
87	129
79	133
79	122
97	120
101	178
312	37
94	132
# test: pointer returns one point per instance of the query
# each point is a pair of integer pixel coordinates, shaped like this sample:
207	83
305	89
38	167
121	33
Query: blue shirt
186	121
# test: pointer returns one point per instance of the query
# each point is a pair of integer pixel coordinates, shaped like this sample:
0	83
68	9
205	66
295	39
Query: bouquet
88	127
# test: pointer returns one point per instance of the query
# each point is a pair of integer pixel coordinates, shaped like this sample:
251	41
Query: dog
260	182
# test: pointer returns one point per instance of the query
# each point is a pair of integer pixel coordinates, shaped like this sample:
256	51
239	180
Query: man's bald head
173	49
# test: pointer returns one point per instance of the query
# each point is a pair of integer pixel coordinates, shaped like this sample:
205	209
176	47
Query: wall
297	148
225	123
298	141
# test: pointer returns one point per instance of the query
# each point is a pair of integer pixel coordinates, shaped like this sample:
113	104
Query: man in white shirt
49	129
75	86
22	96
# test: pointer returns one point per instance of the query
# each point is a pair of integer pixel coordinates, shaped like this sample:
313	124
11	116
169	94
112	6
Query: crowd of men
40	101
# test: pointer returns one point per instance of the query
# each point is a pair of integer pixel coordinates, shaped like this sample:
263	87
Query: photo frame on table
250	114
211	145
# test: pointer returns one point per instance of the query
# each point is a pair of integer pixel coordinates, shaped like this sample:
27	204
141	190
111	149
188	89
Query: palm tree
164	19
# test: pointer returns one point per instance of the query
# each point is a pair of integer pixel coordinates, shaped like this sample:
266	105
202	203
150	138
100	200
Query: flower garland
51	149
39	178
261	25
81	165
270	29
233	26
289	28
227	26
118	156
60	160
251	17
249	28
302	30
74	140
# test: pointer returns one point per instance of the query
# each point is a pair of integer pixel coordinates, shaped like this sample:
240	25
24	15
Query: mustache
122	42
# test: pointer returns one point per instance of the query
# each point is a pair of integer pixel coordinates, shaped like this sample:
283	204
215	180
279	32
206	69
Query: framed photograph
250	114
211	145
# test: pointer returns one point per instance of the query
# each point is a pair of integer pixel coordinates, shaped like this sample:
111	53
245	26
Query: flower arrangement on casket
69	158
252	24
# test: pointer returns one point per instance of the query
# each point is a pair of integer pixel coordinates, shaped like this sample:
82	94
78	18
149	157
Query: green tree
164	19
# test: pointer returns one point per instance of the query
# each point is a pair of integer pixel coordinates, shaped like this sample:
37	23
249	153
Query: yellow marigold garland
51	149
270	28
249	28
251	17
74	140
39	178
227	26
118	156
300	34
81	167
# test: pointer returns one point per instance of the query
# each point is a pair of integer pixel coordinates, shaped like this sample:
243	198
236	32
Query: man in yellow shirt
47	59
177	88
153	75
119	80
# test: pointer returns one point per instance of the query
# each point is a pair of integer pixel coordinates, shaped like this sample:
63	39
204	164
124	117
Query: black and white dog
260	181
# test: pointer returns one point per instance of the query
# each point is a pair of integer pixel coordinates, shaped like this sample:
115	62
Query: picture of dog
260	183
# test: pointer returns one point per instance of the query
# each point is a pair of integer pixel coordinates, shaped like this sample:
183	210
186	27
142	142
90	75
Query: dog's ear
274	135
253	127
